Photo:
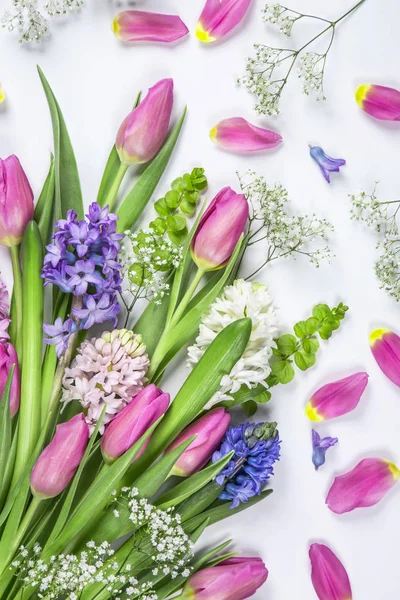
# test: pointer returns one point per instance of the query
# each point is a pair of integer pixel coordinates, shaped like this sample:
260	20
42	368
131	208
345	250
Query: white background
96	78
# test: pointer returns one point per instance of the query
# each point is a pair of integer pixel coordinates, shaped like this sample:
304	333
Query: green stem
348	12
23	528
112	194
17	294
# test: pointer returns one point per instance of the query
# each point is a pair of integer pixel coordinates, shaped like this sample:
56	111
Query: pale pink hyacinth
108	370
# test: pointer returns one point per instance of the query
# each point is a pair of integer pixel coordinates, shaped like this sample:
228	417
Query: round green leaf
304	361
172	199
287	344
162	208
283	370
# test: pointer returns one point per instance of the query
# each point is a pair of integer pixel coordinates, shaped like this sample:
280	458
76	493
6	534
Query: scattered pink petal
379	101
337	398
140	26
385	346
219	17
238	135
328	575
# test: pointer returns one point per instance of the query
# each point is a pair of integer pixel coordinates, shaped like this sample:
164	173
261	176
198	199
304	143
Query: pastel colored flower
379	101
16	201
209	431
237	578
143	132
385	347
337	398
8	358
219	17
133	422
139	25
238	135
320	447
328	575
326	163
219	230
363	486
59	461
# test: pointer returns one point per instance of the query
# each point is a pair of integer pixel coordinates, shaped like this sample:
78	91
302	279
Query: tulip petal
385	346
2	93
139	26
219	17
363	486
379	101
238	135
337	398
328	575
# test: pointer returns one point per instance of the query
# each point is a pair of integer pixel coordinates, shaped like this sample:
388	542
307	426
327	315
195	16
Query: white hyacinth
242	299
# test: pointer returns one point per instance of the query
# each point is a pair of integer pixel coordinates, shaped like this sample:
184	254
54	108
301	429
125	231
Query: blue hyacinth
256	447
83	261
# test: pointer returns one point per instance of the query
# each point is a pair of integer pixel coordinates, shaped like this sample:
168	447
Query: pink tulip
238	135
365	485
132	422
219	230
209	431
16	201
8	358
219	17
337	398
143	132
385	346
138	25
379	101
234	579
59	461
328	575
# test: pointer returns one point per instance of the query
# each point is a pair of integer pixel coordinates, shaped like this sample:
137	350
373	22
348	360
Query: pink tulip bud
219	18
132	422
328	575
385	346
143	131
337	398
234	579
219	230
8	358
379	101
16	201
363	486
59	461
209	431
139	25
238	135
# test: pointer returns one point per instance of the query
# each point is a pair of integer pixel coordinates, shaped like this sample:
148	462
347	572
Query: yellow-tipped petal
2	94
213	133
377	335
361	93
203	35
394	470
312	413
116	26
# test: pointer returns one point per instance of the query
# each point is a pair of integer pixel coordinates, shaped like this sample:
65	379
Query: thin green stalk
17	294
23	528
112	194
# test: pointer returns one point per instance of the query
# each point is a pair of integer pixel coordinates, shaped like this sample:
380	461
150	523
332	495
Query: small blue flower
326	163
320	446
59	333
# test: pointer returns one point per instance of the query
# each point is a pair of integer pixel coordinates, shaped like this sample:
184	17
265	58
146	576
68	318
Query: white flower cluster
242	299
382	216
311	71
170	547
281	16
146	260
31	17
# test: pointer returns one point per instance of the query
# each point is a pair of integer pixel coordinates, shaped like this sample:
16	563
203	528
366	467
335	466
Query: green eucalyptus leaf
162	208
304	361
320	311
300	329
283	370
172	199
310	345
287	344
312	325
187	207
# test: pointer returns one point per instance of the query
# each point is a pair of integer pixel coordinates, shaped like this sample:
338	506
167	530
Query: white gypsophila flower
242	299
281	16
109	371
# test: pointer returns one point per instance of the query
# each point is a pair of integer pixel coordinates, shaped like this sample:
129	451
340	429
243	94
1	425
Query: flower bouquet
105	484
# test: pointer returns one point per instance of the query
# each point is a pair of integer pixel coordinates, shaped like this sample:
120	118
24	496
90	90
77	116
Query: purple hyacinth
83	261
320	446
326	163
257	448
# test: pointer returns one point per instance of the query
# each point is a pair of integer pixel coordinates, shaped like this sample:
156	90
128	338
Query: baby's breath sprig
268	72
382	216
282	235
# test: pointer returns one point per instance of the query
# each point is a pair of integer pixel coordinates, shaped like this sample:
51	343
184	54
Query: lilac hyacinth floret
256	447
83	261
320	446
326	163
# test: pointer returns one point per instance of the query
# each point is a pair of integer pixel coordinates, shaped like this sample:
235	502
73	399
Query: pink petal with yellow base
219	17
238	135
337	398
363	486
140	26
328	575
379	101
385	346
2	93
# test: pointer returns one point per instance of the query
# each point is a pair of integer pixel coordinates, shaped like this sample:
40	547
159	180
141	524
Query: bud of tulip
58	462
234	579
209	431
132	422
219	230
143	131
8	358
16	201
